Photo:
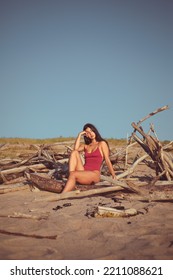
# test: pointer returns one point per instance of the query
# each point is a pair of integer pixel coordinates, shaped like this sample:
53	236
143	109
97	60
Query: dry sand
148	235
69	233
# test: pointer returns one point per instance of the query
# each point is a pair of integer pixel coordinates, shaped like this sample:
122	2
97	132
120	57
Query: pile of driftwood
14	172
45	169
48	170
162	160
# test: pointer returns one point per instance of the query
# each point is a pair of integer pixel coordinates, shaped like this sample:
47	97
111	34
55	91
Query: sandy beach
33	228
66	230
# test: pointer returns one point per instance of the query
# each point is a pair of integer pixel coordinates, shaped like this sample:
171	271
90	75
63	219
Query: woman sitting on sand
95	150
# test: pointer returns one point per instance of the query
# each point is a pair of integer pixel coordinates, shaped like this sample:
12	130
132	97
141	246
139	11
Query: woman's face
89	133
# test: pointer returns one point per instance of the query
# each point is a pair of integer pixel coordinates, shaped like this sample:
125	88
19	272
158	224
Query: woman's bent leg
71	182
83	177
75	161
75	165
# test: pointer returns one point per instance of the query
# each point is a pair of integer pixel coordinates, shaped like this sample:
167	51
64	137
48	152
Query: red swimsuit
93	160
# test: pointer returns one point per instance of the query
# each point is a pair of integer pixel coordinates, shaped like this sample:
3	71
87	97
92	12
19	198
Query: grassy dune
30	141
24	147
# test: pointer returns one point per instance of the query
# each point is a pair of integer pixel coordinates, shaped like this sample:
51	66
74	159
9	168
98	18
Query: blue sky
65	63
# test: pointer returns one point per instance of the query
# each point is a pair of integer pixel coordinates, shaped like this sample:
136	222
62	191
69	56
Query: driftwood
15	170
153	113
18	164
44	160
118	183
114	213
155	198
13	188
153	147
2	231
54	186
25	216
15	181
132	168
163	183
45	184
80	194
55	166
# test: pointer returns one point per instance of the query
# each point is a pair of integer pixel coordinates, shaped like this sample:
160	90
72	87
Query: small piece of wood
153	113
13	188
2	231
164	183
131	169
110	212
25	216
154	198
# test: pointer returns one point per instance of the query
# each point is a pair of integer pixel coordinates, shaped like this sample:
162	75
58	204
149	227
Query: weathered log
80	194
119	183
6	162
22	169
45	184
15	181
164	183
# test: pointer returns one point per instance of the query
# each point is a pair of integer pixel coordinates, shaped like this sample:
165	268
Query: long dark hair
94	129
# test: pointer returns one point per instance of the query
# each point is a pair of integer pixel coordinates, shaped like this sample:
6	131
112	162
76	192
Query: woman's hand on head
82	133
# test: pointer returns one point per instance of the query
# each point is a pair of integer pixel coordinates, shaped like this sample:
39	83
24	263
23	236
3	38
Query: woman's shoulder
103	144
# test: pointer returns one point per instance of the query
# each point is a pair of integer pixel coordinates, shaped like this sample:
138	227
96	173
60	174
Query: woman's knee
74	153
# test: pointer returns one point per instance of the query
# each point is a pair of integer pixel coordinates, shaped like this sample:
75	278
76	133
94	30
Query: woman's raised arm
78	146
